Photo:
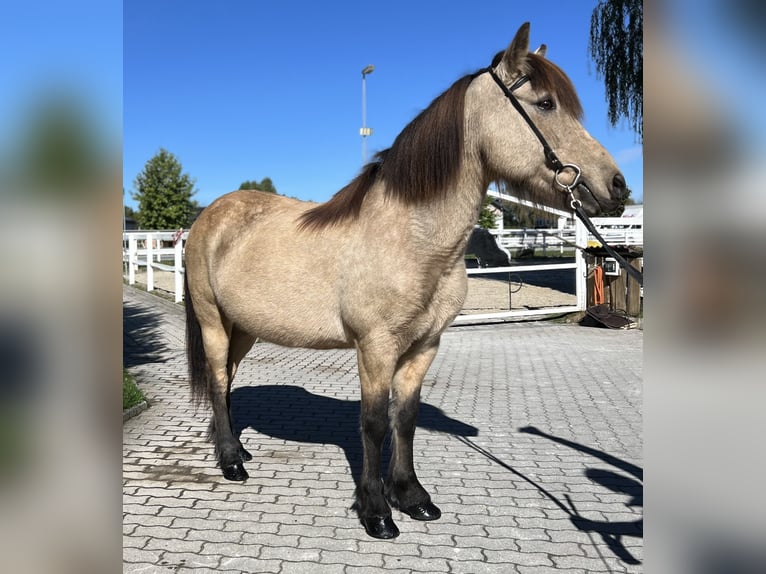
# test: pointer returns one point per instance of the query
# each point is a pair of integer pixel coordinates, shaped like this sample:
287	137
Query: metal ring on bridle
568	186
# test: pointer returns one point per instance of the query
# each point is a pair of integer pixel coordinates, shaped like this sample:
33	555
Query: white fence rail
614	230
163	251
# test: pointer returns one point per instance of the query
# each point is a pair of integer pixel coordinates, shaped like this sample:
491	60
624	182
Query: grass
131	394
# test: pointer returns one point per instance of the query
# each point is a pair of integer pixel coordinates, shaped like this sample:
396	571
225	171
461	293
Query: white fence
163	251
614	230
149	249
573	237
580	238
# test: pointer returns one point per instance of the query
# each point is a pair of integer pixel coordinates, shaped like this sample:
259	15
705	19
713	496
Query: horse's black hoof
380	527
423	511
235	472
246	456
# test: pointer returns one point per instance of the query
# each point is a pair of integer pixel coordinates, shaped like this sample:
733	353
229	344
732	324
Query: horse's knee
404	414
374	417
374	423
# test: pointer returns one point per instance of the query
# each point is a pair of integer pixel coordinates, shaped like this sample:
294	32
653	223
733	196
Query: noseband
561	168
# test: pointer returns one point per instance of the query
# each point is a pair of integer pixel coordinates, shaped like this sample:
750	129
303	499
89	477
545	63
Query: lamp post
365	131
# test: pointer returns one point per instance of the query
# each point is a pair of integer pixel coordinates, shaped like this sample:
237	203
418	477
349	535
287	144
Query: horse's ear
541	50
514	57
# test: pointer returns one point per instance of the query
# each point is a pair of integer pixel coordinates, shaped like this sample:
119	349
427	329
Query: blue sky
243	90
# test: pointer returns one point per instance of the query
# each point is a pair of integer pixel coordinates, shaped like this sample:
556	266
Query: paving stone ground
529	440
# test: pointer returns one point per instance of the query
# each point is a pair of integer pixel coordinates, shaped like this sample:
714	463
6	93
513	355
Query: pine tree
164	193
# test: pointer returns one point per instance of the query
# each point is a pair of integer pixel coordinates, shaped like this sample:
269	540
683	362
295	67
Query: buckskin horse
380	266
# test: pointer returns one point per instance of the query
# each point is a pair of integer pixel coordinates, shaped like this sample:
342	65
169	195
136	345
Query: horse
379	267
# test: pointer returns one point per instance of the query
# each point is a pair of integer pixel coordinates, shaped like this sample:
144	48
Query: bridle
561	168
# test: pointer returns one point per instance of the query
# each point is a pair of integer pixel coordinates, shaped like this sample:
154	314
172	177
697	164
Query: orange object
598	285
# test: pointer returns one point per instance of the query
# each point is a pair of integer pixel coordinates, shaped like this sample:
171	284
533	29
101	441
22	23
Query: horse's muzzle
619	187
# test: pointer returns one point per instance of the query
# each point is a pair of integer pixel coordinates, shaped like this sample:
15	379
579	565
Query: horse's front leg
376	369
402	485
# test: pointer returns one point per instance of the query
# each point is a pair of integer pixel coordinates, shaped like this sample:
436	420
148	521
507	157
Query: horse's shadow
612	533
141	339
293	414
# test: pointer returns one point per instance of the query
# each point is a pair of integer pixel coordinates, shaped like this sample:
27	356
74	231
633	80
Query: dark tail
195	351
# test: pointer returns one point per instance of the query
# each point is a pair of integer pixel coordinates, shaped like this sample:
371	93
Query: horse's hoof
423	511
235	472
246	456
380	527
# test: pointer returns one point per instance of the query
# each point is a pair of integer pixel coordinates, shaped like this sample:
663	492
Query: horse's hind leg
216	338
240	343
402	486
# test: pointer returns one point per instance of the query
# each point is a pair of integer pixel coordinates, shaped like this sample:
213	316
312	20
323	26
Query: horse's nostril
619	184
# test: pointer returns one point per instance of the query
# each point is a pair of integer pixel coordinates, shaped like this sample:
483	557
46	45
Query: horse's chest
433	311
449	296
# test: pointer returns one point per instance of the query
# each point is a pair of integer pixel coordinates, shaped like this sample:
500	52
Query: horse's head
511	150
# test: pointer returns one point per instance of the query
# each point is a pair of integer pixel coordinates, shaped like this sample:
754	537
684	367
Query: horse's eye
546	105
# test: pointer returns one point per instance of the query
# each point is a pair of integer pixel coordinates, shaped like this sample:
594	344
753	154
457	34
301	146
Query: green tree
617	48
164	193
264	185
486	215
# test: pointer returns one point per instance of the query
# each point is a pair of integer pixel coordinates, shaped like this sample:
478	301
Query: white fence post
132	255
178	269
581	270
149	257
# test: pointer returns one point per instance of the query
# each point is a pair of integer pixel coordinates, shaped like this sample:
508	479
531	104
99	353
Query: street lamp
365	131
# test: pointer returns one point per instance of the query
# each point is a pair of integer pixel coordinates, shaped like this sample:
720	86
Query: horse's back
247	255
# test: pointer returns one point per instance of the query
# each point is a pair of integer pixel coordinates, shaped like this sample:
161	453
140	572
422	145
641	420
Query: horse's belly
288	319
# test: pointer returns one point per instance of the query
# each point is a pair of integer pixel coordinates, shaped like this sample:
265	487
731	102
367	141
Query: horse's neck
445	224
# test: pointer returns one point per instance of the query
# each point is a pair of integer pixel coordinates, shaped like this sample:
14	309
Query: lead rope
632	271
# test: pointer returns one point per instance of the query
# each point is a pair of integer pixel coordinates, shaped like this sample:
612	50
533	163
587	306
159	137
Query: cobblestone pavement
529	440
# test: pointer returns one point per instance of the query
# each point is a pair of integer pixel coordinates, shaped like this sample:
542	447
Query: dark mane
423	161
344	204
426	157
